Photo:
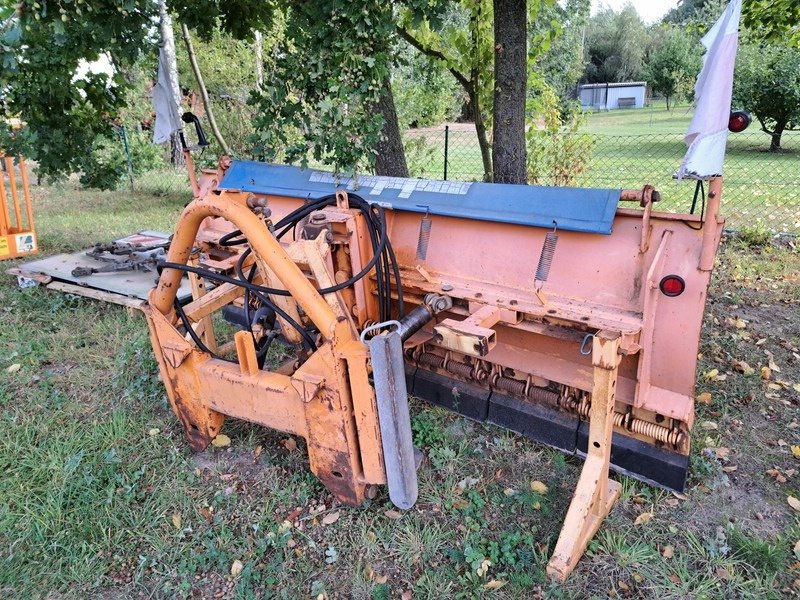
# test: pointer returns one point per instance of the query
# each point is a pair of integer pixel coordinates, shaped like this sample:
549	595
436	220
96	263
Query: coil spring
369	323
431	360
546	257
424	237
459	368
515	386
658	432
542	395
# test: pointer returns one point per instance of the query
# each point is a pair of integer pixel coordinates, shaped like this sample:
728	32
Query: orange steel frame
639	369
17	234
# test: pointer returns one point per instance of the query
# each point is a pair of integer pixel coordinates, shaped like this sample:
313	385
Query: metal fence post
128	154
446	144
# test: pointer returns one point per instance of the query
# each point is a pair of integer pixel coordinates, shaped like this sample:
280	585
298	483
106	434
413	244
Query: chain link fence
762	188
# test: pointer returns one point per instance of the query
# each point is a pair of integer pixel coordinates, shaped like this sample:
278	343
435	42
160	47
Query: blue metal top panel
575	209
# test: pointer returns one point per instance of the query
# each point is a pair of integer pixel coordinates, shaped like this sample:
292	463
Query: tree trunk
510	85
390	156
775	144
259	52
480	129
168	43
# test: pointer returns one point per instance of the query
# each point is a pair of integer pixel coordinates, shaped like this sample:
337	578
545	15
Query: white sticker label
25	242
377	184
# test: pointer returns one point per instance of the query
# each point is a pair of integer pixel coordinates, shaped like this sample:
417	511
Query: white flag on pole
708	131
168	121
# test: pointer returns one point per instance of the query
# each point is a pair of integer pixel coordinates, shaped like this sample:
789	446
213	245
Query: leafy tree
562	65
767	83
615	45
319	95
558	153
774	20
42	46
465	46
462	45
425	93
673	64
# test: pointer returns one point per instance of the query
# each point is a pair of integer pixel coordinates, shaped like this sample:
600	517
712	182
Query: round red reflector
672	285
739	121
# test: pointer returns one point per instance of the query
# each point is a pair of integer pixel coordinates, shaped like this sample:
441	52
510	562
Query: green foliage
228	66
319	104
767	84
774	20
420	156
43	46
427	430
557	153
562	64
615	44
41	50
755	237
106	166
237	18
673	64
763	556
424	92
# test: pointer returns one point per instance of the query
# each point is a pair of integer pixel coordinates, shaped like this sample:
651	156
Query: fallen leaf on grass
290	444
154	431
221	441
709	425
724	573
643	518
330	518
796	550
711	375
509	491
674	579
406	595
796	451
779	477
668	552
538	487
257	452
793	502
743	367
722	453
236	568
494	584
729	468
623	586
176	520
796	387
14	368
704	398
766	373
393	514
331	555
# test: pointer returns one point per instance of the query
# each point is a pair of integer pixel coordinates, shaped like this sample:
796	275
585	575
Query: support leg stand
595	494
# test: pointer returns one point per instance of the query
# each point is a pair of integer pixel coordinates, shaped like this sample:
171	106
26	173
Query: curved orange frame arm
232	207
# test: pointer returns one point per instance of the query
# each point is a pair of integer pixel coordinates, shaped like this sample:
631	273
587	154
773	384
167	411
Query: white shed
610	96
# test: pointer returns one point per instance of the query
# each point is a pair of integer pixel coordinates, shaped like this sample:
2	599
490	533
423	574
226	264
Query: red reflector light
672	285
739	121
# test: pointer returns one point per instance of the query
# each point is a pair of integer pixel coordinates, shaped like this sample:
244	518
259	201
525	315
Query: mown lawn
101	496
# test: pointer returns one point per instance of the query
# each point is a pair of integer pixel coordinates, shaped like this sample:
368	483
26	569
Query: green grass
102	498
